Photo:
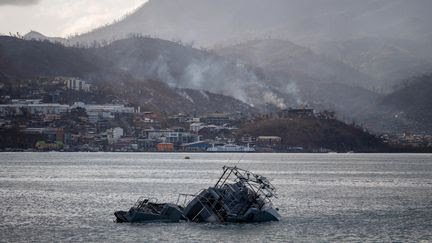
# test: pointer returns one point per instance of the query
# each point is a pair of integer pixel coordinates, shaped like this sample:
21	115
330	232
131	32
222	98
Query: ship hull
168	214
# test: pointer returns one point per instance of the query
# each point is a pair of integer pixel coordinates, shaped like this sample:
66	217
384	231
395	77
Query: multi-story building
19	109
297	113
169	136
104	108
101	112
195	127
248	139
180	118
268	140
77	84
216	119
114	134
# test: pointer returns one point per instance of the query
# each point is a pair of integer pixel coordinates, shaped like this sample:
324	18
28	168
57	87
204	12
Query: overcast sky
61	17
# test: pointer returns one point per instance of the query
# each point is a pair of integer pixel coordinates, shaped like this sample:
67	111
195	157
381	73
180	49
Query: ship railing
257	183
144	202
257	194
231	196
212	205
257	190
201	199
184	198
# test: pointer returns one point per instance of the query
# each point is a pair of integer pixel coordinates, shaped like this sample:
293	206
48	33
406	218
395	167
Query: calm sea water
322	197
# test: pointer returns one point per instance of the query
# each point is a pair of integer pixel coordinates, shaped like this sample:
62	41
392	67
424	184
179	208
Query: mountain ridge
174	76
207	21
317	25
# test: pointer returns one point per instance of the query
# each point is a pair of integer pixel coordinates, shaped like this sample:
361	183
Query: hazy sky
61	17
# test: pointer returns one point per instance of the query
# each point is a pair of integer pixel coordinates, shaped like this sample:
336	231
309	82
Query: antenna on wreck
240	159
229	159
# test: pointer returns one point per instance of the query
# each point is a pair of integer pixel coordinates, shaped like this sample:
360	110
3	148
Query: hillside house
268	141
216	119
297	113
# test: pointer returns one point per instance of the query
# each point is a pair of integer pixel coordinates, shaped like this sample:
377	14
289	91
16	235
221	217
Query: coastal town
40	117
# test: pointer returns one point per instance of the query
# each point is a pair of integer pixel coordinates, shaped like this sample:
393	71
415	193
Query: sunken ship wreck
239	196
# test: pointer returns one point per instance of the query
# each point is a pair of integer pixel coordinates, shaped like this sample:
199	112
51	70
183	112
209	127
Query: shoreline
202	152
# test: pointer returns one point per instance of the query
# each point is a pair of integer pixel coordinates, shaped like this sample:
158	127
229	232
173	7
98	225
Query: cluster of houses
409	139
114	127
19	107
76	84
78	126
108	127
118	127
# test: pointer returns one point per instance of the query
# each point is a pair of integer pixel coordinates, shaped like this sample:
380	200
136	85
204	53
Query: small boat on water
239	196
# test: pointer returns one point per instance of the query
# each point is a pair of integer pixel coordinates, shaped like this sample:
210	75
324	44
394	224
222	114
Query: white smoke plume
292	90
272	98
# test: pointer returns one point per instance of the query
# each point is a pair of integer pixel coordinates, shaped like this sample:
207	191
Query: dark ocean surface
322	197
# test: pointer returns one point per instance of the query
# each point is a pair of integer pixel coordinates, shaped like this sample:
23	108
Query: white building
98	112
95	112
105	108
26	102
77	84
96	116
195	127
114	134
18	109
169	136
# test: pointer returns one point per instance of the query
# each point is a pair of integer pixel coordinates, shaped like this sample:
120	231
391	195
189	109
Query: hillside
164	75
408	109
312	134
413	101
290	61
34	35
326	83
186	67
22	60
387	61
140	58
320	81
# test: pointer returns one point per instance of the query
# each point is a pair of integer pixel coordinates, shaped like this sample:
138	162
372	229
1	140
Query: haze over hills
412	102
387	61
186	67
186	71
342	55
318	80
34	35
288	61
209	22
22	59
388	40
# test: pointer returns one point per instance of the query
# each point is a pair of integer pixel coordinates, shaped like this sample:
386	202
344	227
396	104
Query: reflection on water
338	197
